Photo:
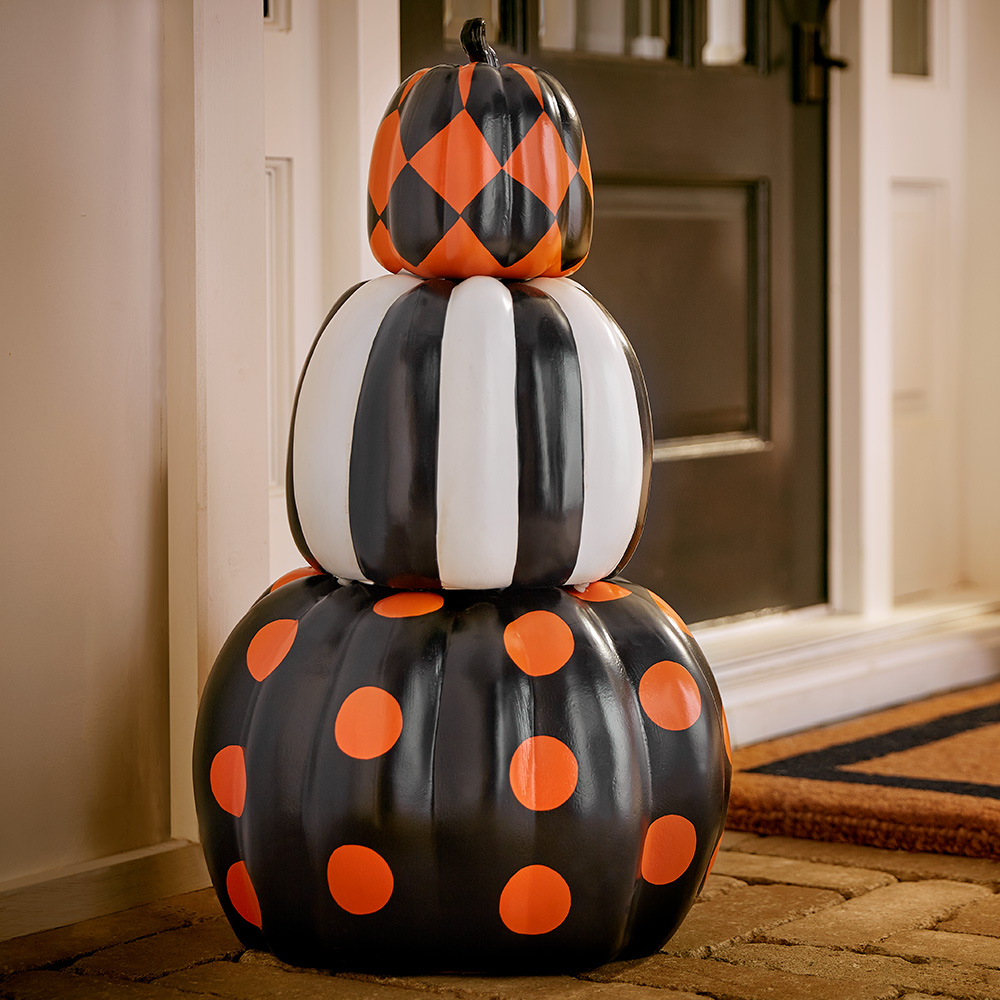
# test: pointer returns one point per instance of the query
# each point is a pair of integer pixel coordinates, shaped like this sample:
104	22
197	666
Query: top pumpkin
480	169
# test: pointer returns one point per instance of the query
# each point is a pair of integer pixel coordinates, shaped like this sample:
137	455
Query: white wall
83	718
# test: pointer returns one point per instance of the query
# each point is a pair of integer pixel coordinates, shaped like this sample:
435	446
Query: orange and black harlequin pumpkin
513	780
480	169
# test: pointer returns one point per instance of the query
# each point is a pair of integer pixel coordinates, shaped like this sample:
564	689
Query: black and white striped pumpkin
472	434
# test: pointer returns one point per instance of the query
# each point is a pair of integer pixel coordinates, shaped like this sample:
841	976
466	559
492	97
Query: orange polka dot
228	778
295	574
242	895
539	642
668	850
368	724
601	591
711	863
670	696
543	773
408	605
535	900
359	878
725	734
270	646
670	613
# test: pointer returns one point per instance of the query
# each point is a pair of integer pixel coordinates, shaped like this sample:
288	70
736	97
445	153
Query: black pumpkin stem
474	42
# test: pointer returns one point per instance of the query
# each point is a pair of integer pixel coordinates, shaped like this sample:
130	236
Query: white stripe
612	435
324	422
477	439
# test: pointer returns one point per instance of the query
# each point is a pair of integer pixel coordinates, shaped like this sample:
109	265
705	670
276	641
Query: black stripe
828	764
549	440
646	431
392	494
293	515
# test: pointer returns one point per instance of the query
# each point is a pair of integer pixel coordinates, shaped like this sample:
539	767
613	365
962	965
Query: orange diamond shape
585	173
540	163
387	160
383	250
458	254
458	162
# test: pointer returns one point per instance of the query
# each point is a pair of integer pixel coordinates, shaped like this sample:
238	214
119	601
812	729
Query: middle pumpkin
469	435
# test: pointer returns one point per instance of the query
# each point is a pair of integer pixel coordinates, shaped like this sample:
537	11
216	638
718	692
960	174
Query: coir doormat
920	777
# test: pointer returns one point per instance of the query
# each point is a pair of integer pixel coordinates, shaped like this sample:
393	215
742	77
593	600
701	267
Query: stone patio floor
779	919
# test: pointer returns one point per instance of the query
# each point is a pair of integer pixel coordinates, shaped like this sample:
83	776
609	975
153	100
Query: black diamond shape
563	115
576	221
508	219
373	216
503	108
416	215
439	102
394	100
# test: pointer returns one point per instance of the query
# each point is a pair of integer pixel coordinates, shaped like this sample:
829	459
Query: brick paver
779	919
881	971
904	865
765	868
735	982
718	885
170	951
879	913
33	951
964	949
744	912
980	917
541	988
242	981
67	986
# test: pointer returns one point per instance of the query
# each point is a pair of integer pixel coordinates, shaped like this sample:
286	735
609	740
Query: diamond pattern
540	163
436	106
388	159
458	163
507	219
425	213
578	204
479	170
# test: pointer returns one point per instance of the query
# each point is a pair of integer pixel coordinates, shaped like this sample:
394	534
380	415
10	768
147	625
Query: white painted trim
213	210
360	40
280	316
794	671
860	316
95	888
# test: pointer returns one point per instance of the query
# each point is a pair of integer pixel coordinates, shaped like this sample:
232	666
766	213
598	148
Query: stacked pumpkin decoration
452	742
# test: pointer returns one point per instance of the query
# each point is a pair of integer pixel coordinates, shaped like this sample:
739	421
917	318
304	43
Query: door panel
709	249
693	268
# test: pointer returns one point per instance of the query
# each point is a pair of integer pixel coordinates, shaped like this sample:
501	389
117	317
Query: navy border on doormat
828	764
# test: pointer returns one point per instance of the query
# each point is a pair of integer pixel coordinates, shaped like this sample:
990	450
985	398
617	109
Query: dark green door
709	249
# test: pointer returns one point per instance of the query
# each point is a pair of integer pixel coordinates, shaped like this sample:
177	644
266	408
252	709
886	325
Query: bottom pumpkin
511	781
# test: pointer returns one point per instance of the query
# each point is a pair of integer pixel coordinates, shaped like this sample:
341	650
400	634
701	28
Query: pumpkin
469	435
515	780
480	169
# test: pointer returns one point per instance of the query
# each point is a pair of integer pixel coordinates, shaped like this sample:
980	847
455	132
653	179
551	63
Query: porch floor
779	919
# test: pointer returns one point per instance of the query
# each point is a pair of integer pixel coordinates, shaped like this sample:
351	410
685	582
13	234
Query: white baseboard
807	669
96	888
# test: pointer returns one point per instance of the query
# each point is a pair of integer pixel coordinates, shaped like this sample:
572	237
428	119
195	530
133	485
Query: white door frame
216	440
786	672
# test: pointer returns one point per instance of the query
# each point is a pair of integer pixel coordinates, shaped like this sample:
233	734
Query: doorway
710	250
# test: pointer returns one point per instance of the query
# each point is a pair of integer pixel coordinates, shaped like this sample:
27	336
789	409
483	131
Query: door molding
214	311
231	454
